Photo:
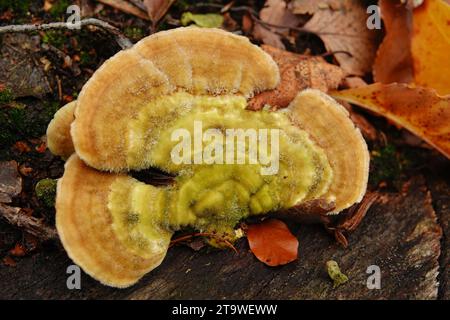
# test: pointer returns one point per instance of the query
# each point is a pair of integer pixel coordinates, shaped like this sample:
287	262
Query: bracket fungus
132	114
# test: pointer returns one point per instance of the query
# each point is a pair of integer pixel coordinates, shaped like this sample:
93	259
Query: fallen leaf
207	20
22	147
126	7
430	45
247	23
297	72
8	261
345	30
275	12
272	242
156	9
10	181
354	82
419	110
17	251
25	170
393	62
229	23
367	129
311	6
41	147
411	4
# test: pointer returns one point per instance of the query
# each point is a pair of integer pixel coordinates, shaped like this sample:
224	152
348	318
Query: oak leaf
297	72
346	30
420	110
272	242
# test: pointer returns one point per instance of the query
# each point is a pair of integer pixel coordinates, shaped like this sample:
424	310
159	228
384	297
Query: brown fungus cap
59	140
117	228
199	61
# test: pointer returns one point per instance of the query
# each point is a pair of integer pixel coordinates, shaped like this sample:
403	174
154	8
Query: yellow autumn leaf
430	45
420	110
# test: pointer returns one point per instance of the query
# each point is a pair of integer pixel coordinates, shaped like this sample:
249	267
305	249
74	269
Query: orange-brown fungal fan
330	126
59	140
198	61
118	228
88	231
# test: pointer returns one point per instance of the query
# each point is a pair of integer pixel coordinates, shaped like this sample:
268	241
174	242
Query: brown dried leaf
420	110
18	250
393	62
346	30
275	12
156	9
297	72
311	6
272	242
126	7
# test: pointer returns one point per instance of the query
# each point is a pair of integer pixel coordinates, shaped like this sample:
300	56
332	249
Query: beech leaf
311	6
272	242
430	45
207	20
394	61
156	9
420	110
275	12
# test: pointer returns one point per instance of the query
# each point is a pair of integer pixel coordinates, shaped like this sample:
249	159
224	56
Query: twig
121	40
32	225
203	234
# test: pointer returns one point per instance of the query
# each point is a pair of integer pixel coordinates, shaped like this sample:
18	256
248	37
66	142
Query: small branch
121	40
32	225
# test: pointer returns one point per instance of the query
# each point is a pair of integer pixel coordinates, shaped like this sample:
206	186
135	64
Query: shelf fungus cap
59	140
329	124
194	60
93	214
118	228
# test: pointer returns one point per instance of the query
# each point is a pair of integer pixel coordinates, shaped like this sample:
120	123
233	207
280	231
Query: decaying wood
399	234
32	225
121	40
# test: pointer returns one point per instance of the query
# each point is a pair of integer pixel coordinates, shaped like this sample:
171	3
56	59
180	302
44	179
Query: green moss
59	8
54	38
386	164
25	121
20	7
46	191
134	33
335	273
6	96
